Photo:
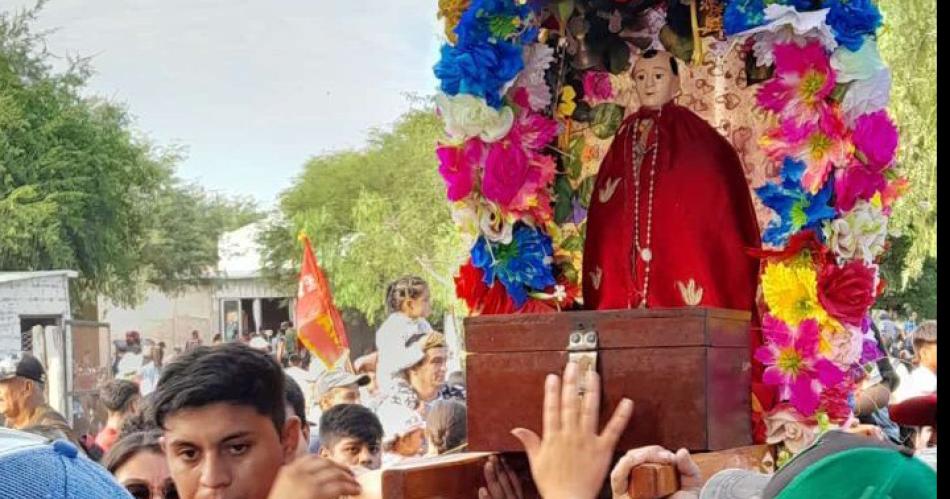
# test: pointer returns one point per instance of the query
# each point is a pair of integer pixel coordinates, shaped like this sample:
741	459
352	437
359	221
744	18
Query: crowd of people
248	419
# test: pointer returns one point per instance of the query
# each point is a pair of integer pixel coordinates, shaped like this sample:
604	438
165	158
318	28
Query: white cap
398	421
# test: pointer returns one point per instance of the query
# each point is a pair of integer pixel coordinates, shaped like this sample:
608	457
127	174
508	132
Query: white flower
465	216
785	426
787	25
537	58
859	234
867	96
467	116
860	65
496	227
846	346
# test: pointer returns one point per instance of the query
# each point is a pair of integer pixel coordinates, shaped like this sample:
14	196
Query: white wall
31	296
163	317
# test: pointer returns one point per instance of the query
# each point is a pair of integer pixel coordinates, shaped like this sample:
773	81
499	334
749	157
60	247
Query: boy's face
349	394
350	451
224	451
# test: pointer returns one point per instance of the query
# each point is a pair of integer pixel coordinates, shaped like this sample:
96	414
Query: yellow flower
451	11
567	106
791	292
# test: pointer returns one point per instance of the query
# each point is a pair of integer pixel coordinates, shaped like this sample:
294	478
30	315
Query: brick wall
32	296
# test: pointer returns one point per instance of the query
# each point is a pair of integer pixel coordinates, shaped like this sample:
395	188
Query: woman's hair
403	289
130	445
446	426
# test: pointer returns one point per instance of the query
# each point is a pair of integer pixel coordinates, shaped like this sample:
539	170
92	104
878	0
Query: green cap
838	465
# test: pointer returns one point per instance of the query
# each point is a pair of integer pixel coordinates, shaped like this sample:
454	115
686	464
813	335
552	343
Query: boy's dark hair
295	398
118	394
674	67
128	446
233	373
350	420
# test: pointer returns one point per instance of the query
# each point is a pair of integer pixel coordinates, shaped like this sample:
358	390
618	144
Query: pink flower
803	80
457	166
855	182
506	169
597	87
516	173
793	364
875	137
822	145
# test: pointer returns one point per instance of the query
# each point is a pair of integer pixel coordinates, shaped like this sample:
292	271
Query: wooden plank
653	481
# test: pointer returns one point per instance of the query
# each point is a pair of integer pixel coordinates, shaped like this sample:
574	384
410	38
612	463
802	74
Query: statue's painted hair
674	67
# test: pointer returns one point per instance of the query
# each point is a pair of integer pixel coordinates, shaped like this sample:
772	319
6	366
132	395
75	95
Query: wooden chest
687	371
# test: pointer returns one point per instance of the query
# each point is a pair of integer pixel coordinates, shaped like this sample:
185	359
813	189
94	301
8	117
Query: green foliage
80	190
908	44
373	215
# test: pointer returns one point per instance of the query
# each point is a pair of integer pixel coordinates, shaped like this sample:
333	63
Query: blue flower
741	15
851	20
487	53
797	210
495	20
478	68
522	265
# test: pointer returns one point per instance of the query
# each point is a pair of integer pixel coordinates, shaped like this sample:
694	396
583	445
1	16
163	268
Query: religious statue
671	216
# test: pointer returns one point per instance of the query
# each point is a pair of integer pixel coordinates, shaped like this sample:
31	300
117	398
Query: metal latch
582	349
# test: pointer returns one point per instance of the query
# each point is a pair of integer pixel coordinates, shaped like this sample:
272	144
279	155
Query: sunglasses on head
143	491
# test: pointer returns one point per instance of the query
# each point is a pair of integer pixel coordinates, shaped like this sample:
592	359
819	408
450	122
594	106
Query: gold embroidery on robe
607	191
691	293
596	277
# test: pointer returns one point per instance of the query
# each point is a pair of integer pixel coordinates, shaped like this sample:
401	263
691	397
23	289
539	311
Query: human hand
690	478
500	482
571	460
867	430
312	477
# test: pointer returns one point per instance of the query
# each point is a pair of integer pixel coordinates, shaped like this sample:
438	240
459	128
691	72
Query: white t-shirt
306	382
921	381
129	365
148	378
391	343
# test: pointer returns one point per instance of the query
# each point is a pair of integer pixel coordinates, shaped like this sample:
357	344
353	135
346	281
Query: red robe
702	224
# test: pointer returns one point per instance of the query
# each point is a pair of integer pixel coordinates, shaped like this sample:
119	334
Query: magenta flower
803	80
875	138
857	182
515	169
597	87
793	364
457	166
822	145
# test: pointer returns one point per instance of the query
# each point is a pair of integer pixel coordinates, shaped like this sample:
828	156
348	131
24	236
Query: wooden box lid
637	328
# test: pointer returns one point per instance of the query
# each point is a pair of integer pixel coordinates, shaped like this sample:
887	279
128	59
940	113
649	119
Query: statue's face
654	79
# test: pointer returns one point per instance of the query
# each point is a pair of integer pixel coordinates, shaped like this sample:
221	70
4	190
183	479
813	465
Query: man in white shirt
923	379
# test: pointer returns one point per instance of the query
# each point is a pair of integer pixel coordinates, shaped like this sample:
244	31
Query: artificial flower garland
831	204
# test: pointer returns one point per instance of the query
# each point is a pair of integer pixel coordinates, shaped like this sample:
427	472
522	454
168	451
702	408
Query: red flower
483	300
847	292
834	401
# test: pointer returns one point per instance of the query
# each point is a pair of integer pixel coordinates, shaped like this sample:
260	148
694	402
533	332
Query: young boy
351	434
226	434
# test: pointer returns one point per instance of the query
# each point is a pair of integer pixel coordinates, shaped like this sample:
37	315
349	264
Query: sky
251	88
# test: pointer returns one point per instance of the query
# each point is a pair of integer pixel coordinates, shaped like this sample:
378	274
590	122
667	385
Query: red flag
319	325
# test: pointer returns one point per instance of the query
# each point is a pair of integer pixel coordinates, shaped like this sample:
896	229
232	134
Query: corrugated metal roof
21	276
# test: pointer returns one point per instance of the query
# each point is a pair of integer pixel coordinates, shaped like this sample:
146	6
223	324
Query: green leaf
606	120
562	200
573	243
